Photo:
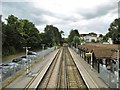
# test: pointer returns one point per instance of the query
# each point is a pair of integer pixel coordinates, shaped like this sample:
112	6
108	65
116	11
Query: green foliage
17	33
100	35
65	40
114	32
62	32
72	34
52	35
76	40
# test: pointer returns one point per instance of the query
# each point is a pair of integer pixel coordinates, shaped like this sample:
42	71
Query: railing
7	72
108	77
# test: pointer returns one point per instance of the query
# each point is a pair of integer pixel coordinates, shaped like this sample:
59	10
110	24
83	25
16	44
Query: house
91	37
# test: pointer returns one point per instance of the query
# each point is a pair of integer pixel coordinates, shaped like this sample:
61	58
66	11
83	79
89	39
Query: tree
30	34
53	35
65	40
18	33
72	34
22	32
76	41
114	31
100	35
62	32
11	37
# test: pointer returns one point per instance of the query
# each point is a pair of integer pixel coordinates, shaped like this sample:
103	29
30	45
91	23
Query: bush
12	50
8	51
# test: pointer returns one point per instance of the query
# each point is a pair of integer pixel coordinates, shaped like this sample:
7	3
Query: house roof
115	55
90	34
93	34
109	46
101	51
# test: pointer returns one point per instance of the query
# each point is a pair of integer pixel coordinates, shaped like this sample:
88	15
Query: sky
85	15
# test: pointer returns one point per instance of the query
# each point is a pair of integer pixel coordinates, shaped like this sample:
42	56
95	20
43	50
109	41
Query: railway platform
90	76
22	81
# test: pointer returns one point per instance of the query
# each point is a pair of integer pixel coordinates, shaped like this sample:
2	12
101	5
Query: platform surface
90	76
23	80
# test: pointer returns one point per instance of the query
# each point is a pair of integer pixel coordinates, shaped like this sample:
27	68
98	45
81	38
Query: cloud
24	10
97	12
17	0
84	15
0	8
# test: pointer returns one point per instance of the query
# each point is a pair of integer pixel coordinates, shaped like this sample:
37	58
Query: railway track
38	78
62	81
50	78
62	73
74	79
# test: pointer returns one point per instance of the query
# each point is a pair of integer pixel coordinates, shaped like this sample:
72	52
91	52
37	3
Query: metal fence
8	71
108	77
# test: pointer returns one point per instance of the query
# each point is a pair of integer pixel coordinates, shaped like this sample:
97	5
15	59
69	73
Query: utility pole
26	50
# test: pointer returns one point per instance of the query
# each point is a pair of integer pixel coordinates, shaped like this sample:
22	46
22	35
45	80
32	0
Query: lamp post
91	60
43	46
26	50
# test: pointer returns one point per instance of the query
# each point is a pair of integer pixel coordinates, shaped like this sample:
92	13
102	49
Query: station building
105	59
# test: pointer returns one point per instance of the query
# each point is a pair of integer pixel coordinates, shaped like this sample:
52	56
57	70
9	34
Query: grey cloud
98	27
119	9
69	18
24	10
99	11
14	0
27	11
64	19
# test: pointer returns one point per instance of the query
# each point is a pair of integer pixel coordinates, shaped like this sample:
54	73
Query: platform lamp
26	50
43	46
90	54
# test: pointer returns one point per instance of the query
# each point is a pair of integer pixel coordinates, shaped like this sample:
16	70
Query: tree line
113	32
18	33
